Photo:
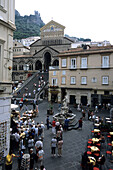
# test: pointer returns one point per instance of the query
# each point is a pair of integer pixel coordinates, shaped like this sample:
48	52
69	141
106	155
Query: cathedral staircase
30	85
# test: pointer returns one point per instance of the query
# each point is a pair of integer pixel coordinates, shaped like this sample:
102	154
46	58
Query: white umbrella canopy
14	106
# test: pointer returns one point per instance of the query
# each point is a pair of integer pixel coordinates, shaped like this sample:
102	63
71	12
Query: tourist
22	145
57	125
53	146
80	123
42	167
59	134
101	160
53	127
32	157
9	157
40	131
40	155
38	145
30	143
66	124
43	127
83	113
17	138
20	158
60	143
36	132
47	122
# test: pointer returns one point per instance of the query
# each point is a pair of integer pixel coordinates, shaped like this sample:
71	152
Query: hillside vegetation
27	26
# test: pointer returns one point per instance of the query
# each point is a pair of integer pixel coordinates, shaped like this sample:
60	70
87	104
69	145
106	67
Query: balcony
83	67
71	67
53	67
105	66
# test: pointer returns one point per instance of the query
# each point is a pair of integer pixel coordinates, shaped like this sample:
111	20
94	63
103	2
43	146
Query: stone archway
38	65
55	63
47	61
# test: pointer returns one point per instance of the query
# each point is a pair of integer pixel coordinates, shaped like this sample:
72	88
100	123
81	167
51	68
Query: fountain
64	113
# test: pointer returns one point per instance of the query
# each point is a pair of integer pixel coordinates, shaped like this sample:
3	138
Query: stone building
7	26
85	75
43	52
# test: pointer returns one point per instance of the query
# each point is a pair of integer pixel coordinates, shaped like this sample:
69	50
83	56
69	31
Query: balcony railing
105	66
84	67
53	67
72	67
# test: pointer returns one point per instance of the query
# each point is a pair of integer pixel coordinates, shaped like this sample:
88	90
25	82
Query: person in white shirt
53	146
40	155
43	127
36	132
38	146
17	138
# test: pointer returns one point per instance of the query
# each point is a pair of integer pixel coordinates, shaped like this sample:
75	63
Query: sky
82	18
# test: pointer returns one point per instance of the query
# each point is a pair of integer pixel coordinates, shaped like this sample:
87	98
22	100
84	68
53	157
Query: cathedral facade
43	52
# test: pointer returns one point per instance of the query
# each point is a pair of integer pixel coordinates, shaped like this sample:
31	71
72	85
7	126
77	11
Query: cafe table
112	143
96	130
111	133
92	160
95	140
94	149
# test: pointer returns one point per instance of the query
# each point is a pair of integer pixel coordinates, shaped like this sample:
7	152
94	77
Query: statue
65	101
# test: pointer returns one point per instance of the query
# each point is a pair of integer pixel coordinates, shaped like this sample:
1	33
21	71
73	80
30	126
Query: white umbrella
14	106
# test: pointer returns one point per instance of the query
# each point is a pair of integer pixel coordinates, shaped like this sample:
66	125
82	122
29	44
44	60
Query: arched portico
38	65
55	63
47	60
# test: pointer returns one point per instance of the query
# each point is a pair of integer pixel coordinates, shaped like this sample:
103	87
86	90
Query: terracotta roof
91	50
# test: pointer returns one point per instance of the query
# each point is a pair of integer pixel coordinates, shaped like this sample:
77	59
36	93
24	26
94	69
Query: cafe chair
92	132
108	153
108	137
89	143
95	168
89	153
98	145
96	154
109	145
88	148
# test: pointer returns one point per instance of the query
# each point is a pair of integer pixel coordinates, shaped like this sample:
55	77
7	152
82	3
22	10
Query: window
15	67
94	80
73	81
63	62
54	81
105	61
63	72
63	80
30	66
83	80
20	67
83	62
54	73
21	77
105	80
73	63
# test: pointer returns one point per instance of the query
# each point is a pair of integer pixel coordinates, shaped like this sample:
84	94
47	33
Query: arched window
38	65
14	67
20	67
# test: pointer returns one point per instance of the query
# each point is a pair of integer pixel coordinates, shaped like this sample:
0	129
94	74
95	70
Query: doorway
72	99
84	100
47	61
